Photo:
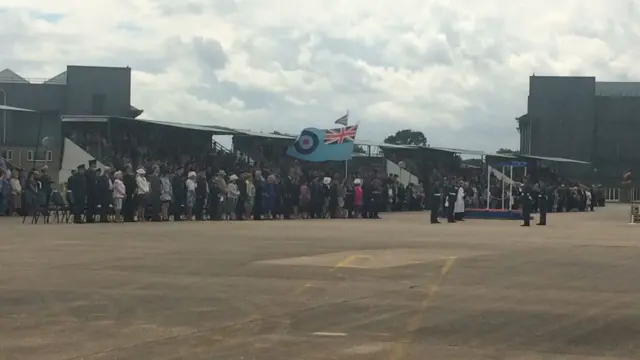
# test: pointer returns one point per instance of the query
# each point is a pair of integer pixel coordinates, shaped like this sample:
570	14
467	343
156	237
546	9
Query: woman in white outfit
142	193
458	209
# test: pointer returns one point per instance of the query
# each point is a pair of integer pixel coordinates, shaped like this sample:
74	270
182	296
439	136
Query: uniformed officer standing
452	195
543	198
434	202
525	200
78	187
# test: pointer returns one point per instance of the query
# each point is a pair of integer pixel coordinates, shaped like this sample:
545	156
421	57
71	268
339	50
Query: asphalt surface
396	288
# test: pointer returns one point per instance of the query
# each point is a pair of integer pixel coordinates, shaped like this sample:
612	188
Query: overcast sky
459	73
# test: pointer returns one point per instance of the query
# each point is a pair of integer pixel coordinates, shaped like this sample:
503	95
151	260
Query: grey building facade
80	90
583	119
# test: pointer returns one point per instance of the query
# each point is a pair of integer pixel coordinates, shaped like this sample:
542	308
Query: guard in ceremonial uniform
526	200
78	187
452	194
543	198
434	202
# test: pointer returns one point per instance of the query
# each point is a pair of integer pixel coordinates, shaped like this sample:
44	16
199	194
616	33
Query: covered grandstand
260	147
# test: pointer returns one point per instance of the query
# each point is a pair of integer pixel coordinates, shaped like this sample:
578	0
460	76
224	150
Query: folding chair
57	205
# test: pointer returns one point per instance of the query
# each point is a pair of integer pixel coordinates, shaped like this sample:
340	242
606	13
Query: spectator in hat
16	193
166	193
251	194
142	193
191	186
119	194
232	198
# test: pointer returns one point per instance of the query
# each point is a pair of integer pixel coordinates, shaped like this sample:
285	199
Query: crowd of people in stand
159	194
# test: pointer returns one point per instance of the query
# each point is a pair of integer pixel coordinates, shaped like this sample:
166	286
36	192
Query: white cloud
457	70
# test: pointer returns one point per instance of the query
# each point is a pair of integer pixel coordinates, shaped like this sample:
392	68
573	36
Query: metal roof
385	145
263	134
84	118
221	130
555	159
217	130
12	108
474	152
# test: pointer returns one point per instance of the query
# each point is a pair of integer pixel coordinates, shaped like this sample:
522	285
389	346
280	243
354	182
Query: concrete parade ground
396	288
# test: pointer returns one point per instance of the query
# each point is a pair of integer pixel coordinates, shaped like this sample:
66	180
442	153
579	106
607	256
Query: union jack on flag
340	136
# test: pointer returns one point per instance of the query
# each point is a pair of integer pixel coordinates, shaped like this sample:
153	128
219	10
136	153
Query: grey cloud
353	49
213	90
382	55
170	7
437	54
274	45
153	62
210	53
344	76
225	6
196	7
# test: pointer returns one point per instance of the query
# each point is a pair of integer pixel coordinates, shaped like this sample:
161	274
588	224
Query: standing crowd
158	194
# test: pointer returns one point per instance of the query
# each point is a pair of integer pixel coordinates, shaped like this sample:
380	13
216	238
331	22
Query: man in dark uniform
129	205
289	194
92	198
525	200
78	187
434	202
451	192
201	194
543	198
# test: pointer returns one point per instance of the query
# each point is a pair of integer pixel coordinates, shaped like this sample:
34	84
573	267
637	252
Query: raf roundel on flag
319	145
307	142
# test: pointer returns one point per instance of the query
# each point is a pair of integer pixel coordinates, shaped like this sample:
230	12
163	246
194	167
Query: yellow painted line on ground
447	266
321	333
348	260
300	289
398	351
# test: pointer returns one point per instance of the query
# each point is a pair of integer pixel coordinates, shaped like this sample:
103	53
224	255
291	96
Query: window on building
49	155
98	104
9	155
29	155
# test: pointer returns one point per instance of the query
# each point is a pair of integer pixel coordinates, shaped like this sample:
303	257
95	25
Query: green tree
504	151
407	137
359	149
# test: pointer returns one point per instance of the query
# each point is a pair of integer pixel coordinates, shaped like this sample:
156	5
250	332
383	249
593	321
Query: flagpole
346	162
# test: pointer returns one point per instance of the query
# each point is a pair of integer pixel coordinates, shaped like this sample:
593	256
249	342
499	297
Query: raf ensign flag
318	145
